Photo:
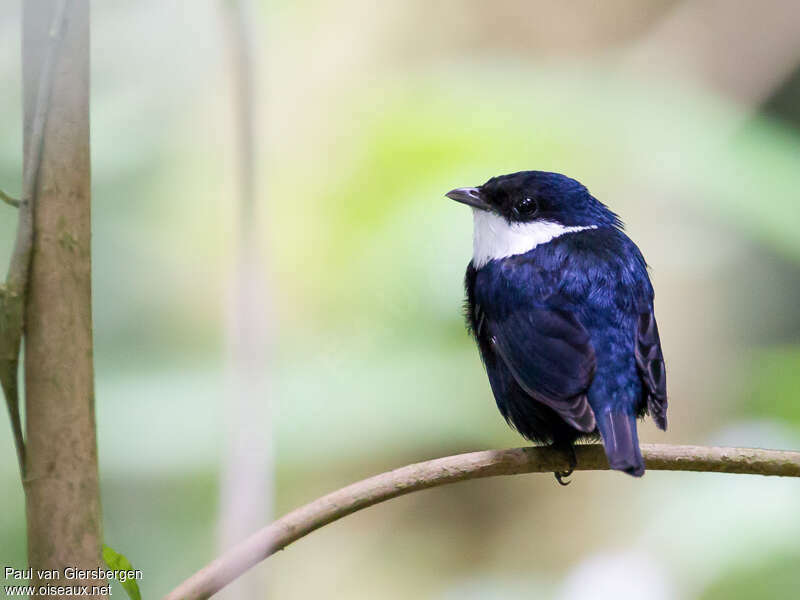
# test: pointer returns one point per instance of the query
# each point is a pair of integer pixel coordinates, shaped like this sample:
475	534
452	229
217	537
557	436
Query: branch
13	293
9	199
475	465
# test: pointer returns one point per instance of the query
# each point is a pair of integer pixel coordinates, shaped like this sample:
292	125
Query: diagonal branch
14	291
9	199
475	465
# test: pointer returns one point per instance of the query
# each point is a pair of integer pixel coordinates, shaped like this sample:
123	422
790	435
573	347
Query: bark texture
61	481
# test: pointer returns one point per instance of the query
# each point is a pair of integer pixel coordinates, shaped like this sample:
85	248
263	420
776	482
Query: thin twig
11	201
13	293
475	465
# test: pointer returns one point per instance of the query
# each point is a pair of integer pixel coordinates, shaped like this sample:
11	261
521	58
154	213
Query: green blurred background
684	117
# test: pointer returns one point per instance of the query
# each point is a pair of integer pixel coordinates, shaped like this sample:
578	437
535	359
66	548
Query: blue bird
561	307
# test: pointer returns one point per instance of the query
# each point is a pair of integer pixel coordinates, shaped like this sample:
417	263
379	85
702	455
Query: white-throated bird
561	306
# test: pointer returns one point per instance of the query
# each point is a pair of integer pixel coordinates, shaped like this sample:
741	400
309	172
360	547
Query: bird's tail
621	442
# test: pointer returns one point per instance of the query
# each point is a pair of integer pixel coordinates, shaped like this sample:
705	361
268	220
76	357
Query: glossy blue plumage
566	330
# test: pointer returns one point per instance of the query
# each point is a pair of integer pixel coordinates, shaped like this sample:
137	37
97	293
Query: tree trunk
61	483
247	471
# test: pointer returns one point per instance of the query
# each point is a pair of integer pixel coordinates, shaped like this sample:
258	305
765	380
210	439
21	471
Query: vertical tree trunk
61	484
247	474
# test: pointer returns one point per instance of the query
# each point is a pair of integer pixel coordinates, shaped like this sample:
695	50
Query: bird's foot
560	475
573	462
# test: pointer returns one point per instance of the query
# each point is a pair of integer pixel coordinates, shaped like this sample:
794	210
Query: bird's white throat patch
494	237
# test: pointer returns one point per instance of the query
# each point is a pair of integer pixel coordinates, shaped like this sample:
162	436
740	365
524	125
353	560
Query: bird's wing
650	361
550	355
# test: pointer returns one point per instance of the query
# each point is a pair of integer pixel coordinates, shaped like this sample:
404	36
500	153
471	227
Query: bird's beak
470	196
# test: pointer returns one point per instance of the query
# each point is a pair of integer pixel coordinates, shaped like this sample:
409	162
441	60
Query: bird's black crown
539	196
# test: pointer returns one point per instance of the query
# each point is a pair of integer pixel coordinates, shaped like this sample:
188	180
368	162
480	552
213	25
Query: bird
560	303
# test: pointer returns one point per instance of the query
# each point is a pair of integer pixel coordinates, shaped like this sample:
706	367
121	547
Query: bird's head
515	213
537	196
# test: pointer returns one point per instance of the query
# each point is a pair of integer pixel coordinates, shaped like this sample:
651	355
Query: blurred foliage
775	577
370	366
773	389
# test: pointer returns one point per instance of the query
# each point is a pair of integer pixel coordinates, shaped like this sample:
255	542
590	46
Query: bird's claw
560	475
573	462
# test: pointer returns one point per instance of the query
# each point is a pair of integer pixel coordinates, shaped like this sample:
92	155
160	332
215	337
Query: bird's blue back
600	277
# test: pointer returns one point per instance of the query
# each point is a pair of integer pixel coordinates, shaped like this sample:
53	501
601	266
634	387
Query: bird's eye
527	207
